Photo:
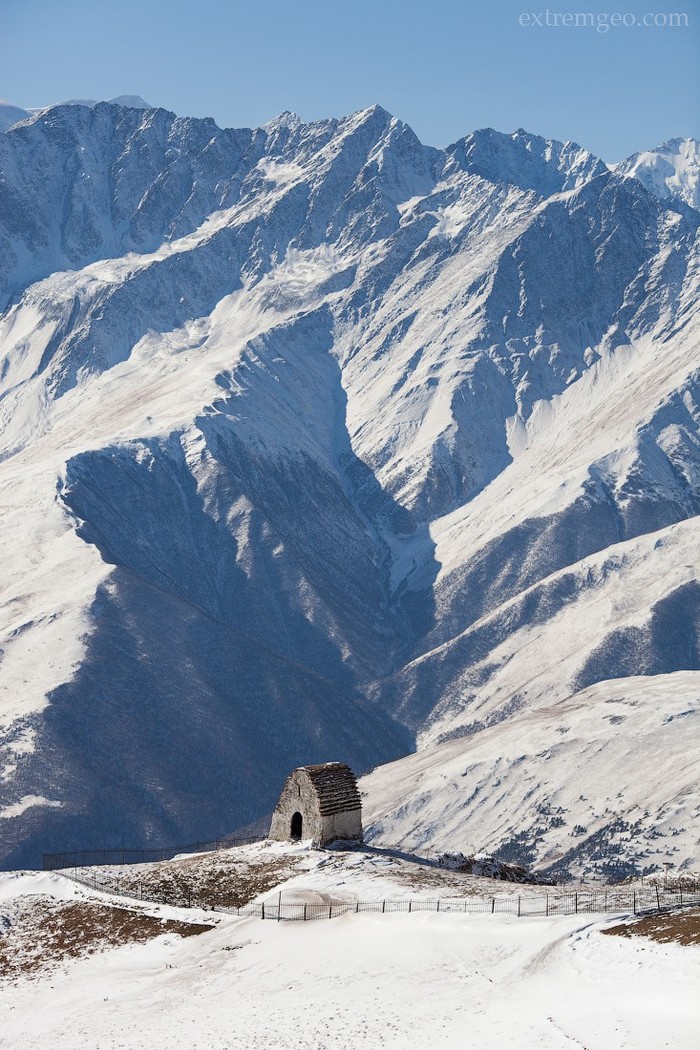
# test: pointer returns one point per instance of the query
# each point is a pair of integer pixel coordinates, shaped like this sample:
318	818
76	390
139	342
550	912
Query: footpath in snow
399	980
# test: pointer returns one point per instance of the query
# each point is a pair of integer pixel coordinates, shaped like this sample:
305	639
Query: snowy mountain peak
287	120
356	446
127	101
11	114
373	112
373	119
670	171
130	101
527	161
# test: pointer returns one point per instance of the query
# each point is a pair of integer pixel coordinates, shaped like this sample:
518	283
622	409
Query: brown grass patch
419	873
681	927
39	932
227	879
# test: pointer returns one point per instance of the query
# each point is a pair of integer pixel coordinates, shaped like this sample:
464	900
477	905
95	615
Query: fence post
546	904
409	907
493	905
518	906
357	907
658	901
304	913
383	907
634	902
330	911
263	910
575	903
681	893
438	905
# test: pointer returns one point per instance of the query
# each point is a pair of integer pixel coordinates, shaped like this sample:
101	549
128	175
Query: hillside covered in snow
75	963
317	442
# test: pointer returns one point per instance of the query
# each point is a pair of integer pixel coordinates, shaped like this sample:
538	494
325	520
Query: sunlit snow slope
316	442
671	171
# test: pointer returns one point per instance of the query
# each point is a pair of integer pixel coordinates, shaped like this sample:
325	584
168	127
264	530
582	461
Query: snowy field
235	876
421	980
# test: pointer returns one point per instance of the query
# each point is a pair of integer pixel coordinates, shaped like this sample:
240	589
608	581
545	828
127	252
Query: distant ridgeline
315	440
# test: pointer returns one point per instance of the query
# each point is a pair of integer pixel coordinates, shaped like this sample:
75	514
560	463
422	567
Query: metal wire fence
611	900
637	902
86	858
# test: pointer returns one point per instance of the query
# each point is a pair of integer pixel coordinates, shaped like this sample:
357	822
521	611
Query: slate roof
335	786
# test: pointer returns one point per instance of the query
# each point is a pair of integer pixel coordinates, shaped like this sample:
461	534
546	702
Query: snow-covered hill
607	777
316	442
155	977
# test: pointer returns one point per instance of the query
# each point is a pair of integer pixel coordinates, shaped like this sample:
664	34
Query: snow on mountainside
130	101
556	785
669	171
11	115
317	442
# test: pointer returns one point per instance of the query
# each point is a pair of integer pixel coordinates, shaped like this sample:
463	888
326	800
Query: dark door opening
296	826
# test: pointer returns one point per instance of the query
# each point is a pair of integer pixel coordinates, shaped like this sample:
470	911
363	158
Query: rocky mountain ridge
318	442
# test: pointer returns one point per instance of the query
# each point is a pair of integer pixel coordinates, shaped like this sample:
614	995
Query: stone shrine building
321	803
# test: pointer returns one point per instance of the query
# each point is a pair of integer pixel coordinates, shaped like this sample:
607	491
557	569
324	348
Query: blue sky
444	66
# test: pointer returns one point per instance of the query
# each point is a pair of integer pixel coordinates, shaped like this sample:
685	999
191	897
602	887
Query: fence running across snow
636	901
88	858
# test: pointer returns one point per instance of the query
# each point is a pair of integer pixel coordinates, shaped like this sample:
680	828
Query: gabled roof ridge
335	786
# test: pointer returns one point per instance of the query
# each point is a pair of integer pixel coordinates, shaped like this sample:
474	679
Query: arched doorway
297	823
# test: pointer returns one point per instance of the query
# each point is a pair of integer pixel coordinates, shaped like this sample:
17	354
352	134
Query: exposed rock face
315	440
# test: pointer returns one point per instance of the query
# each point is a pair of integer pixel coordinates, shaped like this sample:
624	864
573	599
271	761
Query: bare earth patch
37	933
460	882
425	876
421	873
227	878
679	928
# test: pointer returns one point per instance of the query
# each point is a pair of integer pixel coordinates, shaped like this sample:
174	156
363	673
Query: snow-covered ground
301	873
399	981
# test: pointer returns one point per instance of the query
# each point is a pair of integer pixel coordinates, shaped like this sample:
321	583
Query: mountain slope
10	115
561	787
314	442
671	171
